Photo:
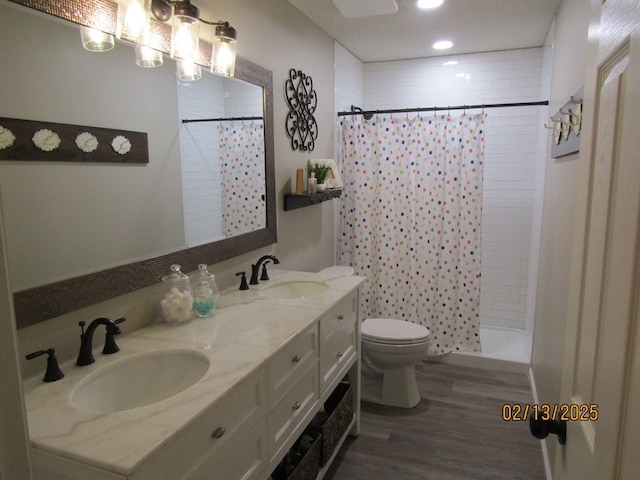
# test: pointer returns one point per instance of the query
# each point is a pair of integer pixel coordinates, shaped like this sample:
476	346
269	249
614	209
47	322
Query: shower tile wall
201	189
514	152
209	97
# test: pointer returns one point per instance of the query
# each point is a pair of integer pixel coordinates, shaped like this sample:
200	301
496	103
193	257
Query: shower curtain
410	221
242	176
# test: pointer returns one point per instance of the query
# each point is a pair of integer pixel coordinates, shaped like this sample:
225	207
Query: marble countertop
246	329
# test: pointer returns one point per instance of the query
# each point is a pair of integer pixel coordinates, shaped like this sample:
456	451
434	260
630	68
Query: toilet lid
388	330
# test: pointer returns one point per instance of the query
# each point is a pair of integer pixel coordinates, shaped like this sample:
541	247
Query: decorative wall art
28	140
565	126
302	127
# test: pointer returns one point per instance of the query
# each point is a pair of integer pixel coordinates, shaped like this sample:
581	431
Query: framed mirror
132	215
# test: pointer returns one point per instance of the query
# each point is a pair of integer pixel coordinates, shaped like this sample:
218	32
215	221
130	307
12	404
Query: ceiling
473	26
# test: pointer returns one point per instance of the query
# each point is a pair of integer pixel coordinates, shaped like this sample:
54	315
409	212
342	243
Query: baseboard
545	452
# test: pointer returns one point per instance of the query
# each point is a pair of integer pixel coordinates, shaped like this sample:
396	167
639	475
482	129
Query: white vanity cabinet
229	436
234	426
339	342
292	376
240	423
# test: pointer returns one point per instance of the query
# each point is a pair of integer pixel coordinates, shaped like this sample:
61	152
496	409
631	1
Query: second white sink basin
297	289
139	380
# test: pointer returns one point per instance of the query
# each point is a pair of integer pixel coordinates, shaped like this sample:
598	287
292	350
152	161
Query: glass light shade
223	56
147	57
188	71
133	19
185	36
94	40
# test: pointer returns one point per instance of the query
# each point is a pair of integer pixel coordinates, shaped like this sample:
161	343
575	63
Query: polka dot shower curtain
410	221
242	176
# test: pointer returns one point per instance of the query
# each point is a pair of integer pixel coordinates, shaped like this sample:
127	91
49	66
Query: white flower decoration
6	138
121	145
86	142
46	140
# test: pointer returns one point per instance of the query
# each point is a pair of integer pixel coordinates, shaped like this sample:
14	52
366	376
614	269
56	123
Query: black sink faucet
85	357
255	268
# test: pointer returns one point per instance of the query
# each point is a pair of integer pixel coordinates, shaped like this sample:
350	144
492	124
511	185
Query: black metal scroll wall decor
302	127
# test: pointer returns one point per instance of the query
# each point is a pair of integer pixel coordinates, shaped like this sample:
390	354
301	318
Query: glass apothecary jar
176	298
206	293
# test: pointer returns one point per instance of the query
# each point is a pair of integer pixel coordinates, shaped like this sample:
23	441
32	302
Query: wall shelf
293	201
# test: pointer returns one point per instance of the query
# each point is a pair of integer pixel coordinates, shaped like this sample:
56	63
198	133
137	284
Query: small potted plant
321	171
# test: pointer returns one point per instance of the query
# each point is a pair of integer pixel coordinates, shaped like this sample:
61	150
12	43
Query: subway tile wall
515	149
210	97
201	191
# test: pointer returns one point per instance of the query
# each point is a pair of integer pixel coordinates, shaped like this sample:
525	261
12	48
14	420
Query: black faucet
85	357
53	372
255	268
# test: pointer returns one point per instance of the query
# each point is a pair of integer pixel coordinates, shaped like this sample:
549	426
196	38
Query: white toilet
390	351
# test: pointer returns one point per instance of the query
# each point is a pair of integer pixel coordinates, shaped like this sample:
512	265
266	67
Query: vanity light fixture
188	71
223	54
185	34
133	20
147	57
95	40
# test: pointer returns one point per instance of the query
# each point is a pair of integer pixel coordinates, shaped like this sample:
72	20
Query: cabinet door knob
296	406
340	317
340	354
296	359
218	432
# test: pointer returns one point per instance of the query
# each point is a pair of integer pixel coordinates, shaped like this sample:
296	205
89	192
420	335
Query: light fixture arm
187	17
162	10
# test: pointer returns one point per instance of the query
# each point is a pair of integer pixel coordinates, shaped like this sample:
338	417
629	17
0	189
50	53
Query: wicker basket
306	467
339	408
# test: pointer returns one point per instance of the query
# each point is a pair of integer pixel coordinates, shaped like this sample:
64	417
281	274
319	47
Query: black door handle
542	428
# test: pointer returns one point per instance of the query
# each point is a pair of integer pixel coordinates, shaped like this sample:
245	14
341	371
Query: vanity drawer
210	437
341	317
247	459
291	415
288	365
338	354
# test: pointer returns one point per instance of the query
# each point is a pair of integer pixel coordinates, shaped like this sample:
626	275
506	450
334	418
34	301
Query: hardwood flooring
456	432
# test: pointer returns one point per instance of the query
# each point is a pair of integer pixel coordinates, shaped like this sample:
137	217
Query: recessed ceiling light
429	3
442	45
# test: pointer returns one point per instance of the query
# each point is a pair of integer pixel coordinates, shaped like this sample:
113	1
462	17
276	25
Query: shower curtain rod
186	120
358	111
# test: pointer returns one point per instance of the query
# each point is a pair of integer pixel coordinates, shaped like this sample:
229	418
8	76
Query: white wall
514	165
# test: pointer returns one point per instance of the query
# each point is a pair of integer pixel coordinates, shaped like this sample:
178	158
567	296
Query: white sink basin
139	381
296	289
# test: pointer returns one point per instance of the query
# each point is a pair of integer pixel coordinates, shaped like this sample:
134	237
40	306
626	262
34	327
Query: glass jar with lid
176	300
206	293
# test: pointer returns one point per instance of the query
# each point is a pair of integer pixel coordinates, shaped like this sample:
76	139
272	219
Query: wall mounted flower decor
302	127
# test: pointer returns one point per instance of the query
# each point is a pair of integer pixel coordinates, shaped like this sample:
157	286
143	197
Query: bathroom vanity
248	381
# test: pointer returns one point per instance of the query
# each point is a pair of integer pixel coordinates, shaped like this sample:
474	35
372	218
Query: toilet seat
389	331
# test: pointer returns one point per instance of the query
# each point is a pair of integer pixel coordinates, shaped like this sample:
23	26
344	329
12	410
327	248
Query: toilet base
397	387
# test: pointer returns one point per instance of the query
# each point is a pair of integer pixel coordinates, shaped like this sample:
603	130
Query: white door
601	376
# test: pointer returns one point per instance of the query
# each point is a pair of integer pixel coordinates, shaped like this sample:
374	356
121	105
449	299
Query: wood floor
456	432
